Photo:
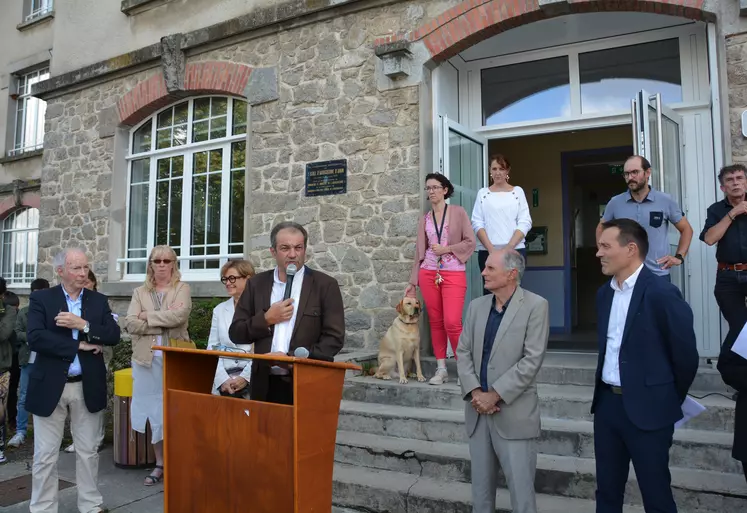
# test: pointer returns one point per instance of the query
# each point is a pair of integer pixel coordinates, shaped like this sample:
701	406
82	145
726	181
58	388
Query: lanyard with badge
439	230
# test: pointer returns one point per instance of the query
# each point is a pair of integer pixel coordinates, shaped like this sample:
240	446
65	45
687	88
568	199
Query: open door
463	156
657	135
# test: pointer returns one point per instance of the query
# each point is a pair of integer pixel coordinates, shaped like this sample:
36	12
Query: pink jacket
461	239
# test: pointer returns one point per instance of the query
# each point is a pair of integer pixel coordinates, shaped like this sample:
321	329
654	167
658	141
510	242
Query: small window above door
611	77
526	92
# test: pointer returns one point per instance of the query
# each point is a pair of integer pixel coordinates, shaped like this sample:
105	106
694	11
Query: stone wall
736	62
77	173
330	108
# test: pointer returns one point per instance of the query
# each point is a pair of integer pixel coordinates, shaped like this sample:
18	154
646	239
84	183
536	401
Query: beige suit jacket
515	360
168	323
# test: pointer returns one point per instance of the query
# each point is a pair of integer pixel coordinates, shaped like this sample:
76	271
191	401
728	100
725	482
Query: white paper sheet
740	345
690	409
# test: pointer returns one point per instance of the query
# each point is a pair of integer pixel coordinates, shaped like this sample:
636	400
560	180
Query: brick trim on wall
200	78
28	200
472	21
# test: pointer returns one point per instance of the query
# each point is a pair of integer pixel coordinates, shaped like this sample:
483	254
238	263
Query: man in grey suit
500	352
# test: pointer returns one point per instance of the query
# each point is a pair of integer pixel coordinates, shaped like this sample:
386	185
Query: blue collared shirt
491	330
74	306
655	213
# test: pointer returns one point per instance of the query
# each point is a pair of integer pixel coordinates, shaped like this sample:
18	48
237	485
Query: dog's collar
414	319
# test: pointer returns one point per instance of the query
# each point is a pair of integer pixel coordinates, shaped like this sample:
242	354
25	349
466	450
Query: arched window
20	243
186	176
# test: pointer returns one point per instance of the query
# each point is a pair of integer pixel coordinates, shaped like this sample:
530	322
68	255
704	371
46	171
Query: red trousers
444	304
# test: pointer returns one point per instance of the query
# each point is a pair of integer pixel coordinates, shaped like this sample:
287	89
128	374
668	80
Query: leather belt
612	388
731	267
74	379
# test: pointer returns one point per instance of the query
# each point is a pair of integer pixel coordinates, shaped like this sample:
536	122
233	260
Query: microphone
302	352
290	272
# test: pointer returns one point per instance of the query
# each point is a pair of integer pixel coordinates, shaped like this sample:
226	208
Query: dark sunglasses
232	279
166	261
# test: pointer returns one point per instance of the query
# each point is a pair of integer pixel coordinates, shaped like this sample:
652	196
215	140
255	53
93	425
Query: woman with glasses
444	244
500	216
159	311
232	375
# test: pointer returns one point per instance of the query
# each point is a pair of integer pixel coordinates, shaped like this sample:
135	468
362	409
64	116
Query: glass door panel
463	161
657	134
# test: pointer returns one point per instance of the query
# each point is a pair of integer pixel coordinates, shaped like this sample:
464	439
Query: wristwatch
87	328
680	258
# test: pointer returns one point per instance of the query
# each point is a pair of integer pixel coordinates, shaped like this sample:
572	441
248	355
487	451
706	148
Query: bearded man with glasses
654	210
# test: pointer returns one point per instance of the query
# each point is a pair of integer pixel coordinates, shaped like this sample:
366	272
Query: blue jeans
22	418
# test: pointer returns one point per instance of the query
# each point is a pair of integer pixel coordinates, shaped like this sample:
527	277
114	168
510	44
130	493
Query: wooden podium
223	454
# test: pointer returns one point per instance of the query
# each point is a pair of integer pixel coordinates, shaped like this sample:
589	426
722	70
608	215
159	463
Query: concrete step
556	401
694	449
580	369
556	475
379	491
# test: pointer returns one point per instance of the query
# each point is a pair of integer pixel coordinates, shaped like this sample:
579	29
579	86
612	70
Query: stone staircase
402	448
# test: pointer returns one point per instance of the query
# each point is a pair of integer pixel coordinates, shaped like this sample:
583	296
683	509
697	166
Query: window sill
21	289
22	156
132	7
36	21
199	289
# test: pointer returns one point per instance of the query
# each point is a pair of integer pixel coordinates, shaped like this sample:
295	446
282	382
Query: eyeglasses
232	279
228	349
433	188
166	261
635	172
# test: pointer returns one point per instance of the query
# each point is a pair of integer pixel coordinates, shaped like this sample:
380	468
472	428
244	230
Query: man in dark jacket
648	359
733	369
67	327
25	361
7	323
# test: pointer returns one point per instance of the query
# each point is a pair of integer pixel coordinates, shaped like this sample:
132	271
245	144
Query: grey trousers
517	458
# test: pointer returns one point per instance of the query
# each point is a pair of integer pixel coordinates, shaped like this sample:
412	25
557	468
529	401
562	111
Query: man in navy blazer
67	327
647	361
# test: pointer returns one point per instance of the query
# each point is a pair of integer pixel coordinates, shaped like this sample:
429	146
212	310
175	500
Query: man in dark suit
67	327
313	317
647	361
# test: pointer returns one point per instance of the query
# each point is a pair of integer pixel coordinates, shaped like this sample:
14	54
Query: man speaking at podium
286	308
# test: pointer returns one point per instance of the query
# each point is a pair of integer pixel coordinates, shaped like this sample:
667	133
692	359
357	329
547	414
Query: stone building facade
325	80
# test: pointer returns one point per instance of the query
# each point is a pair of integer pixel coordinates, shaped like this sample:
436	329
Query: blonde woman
159	311
232	375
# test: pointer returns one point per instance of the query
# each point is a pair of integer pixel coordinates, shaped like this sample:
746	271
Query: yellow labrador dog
401	344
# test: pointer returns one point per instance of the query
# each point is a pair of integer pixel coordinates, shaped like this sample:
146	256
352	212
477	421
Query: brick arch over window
472	21
11	204
255	84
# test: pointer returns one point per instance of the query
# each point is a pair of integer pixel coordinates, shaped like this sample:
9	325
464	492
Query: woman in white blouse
500	217
232	375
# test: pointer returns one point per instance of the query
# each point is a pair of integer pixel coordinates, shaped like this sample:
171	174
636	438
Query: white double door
658	136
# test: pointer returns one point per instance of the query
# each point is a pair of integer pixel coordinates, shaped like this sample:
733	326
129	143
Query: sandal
153	479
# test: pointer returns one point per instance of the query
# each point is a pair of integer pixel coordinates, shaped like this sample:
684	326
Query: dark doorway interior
593	177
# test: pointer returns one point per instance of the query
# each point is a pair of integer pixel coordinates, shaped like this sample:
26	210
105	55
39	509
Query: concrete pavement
122	489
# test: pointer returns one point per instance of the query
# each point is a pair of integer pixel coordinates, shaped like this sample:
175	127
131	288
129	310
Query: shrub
122	356
200	319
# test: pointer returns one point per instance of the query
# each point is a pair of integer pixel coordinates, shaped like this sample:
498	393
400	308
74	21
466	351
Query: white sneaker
18	440
441	377
70	448
3	459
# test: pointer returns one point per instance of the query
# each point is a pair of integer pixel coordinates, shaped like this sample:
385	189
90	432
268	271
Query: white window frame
38	8
10	280
25	101
695	94
187	151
